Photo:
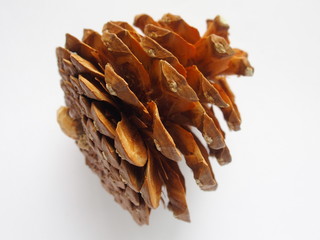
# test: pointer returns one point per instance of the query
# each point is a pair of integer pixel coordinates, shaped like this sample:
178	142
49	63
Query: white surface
269	191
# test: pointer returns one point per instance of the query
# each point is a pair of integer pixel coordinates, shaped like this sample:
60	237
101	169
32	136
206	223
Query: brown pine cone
132	100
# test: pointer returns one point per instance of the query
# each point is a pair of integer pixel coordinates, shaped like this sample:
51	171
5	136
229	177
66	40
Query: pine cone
132	100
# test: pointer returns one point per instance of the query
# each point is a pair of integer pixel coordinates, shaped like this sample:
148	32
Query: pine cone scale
129	144
180	27
152	184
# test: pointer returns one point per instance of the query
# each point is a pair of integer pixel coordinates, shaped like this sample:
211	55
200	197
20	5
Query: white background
269	191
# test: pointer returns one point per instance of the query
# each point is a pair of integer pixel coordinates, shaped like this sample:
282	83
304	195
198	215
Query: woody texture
137	104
